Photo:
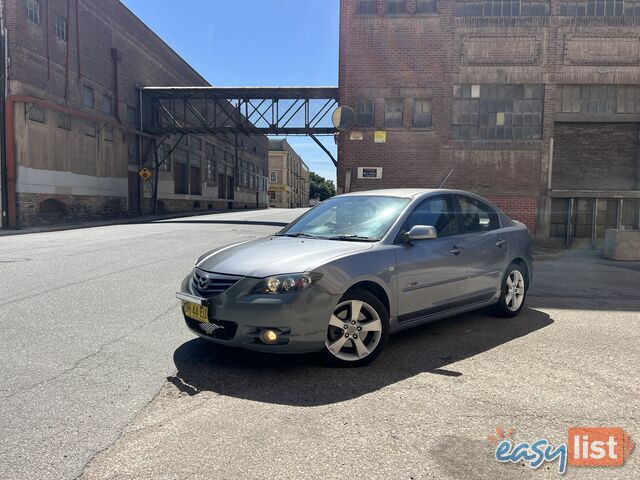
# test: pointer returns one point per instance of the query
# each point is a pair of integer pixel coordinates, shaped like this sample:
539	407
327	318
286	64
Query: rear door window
477	216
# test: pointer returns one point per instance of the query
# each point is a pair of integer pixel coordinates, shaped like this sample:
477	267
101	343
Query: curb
116	221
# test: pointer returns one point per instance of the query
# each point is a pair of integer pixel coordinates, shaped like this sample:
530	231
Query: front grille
209	285
213	330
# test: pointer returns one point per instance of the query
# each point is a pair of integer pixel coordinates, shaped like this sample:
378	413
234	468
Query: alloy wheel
355	330
515	291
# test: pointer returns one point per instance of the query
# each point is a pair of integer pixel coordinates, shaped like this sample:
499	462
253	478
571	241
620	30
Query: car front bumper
236	317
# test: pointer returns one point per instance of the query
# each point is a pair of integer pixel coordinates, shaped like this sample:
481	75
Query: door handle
500	243
455	250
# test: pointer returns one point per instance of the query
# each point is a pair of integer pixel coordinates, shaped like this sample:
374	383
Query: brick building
532	103
288	176
73	148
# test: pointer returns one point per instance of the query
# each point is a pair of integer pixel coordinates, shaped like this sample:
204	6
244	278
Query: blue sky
255	43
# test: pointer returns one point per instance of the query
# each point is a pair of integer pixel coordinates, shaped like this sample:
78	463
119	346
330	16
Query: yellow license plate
196	312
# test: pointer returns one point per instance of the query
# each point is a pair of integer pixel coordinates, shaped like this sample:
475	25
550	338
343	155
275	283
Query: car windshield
364	218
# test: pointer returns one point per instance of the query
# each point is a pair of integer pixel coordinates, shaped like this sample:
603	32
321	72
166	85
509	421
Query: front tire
358	330
514	291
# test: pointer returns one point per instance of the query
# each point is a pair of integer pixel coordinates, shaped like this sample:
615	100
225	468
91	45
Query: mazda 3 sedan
356	268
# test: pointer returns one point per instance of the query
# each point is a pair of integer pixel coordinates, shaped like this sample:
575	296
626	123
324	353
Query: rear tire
514	291
358	330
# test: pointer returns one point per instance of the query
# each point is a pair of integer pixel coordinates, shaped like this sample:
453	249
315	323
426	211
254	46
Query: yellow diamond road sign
145	173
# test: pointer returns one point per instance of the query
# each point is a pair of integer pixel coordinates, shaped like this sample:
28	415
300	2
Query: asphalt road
101	380
88	326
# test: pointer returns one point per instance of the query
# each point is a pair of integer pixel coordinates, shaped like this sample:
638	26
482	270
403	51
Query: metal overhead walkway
239	111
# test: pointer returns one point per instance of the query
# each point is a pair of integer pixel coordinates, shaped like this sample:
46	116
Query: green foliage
320	187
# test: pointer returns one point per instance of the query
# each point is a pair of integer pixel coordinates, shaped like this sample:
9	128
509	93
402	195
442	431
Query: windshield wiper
296	235
354	238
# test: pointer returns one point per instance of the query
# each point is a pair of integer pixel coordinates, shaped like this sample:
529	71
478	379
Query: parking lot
101	380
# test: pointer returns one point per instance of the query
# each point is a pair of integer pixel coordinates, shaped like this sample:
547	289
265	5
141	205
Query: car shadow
302	380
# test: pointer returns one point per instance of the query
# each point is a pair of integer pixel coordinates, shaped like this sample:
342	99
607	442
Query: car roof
403	192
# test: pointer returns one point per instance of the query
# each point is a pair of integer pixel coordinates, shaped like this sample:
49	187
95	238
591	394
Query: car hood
276	255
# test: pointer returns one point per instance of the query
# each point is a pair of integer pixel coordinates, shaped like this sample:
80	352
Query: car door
431	273
486	243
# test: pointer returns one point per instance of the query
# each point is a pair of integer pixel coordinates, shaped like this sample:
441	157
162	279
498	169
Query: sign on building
371	173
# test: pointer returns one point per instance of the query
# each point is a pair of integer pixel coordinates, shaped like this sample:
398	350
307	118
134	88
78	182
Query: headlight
278	284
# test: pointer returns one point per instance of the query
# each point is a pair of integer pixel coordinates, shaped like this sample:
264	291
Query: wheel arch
375	289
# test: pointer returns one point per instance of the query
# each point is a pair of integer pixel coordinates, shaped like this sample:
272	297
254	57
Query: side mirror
421	232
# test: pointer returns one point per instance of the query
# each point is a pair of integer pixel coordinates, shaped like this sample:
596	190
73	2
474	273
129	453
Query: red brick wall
414	55
522	209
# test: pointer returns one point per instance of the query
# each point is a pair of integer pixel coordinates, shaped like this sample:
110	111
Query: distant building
288	177
534	104
74	148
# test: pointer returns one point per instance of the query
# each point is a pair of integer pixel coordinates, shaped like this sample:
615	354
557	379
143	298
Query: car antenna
446	178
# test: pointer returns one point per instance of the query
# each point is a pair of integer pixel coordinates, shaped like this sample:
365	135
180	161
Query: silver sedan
356	268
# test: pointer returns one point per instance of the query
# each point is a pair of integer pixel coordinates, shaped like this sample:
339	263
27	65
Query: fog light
269	336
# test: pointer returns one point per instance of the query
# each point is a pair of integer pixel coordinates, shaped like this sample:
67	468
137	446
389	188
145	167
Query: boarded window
393	108
421	112
500	112
595	99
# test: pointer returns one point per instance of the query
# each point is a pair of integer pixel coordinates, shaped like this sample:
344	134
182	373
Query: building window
396	6
195	143
107	105
64	121
364	113
422	112
628	99
498	112
108	133
36	113
88	99
426	6
600	8
211	162
90	128
132	115
61	27
164	158
273	195
502	8
393	112
273	176
33	11
594	99
132	149
366	7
